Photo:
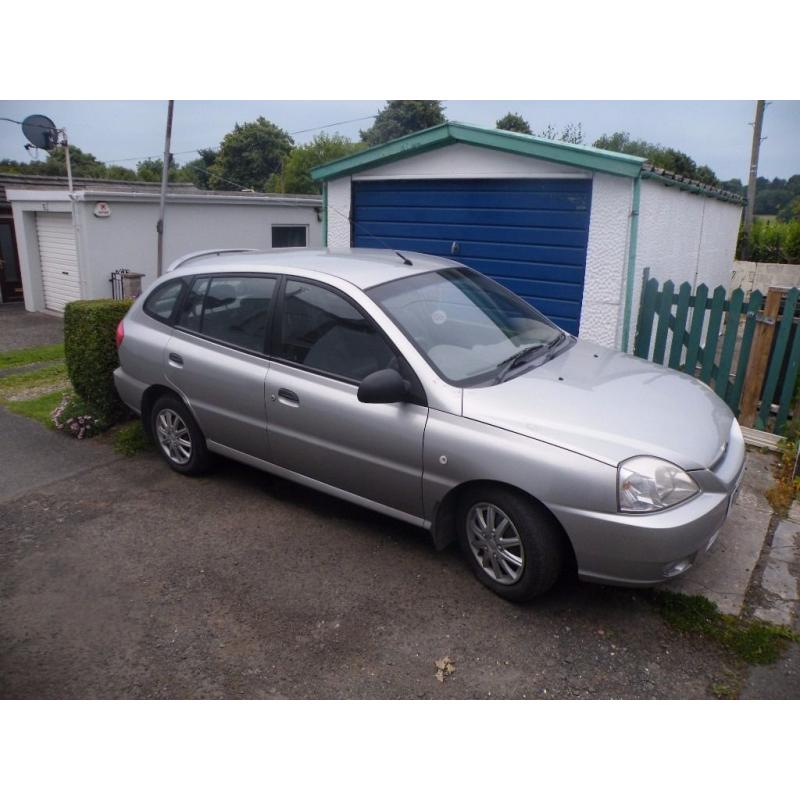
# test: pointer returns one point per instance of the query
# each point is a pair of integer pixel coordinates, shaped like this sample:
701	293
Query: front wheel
512	545
180	441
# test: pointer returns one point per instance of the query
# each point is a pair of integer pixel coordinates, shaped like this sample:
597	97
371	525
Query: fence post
759	358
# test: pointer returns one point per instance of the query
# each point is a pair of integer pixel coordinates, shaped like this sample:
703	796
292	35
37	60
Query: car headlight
647	484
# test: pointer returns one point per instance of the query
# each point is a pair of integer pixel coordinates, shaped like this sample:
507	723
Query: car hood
608	406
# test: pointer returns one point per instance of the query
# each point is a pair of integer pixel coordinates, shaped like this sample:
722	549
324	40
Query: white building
570	228
69	246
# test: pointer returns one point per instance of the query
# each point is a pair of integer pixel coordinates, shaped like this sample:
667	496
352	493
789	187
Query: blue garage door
530	235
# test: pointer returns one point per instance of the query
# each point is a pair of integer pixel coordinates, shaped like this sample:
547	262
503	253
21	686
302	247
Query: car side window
161	302
321	330
191	311
231	309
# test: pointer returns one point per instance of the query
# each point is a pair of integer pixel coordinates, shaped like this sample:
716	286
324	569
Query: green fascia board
574	155
411	144
695	188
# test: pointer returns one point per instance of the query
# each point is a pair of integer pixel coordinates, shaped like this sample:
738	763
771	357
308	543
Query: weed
783	492
724	691
753	641
131	439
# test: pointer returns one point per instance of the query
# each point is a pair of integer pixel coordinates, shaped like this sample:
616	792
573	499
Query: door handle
176	360
289	397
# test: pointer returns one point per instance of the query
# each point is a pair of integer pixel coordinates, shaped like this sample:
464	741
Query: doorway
10	280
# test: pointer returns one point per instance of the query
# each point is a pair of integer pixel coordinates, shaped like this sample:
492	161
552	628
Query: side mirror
384	386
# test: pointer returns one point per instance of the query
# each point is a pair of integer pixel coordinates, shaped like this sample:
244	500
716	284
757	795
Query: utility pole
164	179
751	181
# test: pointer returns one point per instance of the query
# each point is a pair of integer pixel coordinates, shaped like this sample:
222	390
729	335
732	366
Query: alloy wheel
495	543
174	436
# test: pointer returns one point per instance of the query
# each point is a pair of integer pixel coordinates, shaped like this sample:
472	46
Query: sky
717	133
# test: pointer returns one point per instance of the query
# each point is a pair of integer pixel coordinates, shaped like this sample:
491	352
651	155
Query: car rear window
161	302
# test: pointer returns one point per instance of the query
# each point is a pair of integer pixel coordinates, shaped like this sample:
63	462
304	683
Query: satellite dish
40	131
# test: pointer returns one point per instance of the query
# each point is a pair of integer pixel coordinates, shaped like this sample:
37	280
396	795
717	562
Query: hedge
90	328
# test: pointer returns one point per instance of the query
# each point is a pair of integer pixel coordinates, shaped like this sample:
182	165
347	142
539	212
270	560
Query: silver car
420	388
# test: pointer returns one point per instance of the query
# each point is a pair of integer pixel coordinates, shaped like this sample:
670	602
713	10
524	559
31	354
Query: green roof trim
573	155
691	186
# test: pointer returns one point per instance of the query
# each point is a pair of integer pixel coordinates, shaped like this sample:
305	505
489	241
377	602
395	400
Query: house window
290	235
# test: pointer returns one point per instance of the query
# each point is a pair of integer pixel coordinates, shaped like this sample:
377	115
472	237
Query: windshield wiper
520	356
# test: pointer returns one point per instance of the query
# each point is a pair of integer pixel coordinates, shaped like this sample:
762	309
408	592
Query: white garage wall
127	239
467	161
684	237
339	214
606	260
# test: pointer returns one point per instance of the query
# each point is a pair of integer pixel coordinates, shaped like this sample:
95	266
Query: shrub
77	418
773	241
89	346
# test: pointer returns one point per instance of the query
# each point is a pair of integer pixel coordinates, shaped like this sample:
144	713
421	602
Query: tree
117	173
83	165
733	185
151	168
400	117
667	158
198	171
296	175
12	167
572	133
249	155
513	122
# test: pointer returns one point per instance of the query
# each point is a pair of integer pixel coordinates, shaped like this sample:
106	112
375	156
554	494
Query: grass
31	355
35	393
38	408
23	385
753	641
130	439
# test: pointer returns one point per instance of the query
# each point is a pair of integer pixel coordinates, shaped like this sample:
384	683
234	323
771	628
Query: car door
323	346
216	358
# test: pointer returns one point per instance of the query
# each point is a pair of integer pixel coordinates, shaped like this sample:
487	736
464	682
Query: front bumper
648	549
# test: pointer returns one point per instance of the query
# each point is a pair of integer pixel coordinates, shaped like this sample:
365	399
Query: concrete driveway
120	578
20	328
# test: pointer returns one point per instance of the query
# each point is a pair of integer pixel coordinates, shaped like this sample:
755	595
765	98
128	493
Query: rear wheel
180	441
512	545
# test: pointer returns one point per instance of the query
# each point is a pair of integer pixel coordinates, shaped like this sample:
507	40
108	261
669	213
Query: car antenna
384	245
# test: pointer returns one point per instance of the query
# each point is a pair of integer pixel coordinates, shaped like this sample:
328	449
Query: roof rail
183	260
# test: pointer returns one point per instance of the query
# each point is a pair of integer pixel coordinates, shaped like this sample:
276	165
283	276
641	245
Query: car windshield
468	327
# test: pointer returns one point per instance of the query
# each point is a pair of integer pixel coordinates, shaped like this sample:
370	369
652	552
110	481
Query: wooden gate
748	352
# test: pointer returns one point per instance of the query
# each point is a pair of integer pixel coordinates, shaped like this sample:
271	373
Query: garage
530	235
116	223
59	259
570	228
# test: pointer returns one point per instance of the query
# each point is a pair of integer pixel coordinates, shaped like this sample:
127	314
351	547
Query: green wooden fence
716	338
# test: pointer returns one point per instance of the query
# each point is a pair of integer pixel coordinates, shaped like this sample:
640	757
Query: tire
172	423
527	568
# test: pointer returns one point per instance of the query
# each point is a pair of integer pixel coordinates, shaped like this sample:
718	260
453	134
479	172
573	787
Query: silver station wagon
420	388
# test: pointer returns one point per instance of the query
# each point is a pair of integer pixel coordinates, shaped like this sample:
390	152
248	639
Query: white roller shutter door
59	259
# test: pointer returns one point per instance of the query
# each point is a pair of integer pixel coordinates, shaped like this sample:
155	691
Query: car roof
363	267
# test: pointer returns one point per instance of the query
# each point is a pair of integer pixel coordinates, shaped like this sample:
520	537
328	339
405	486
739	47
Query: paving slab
778	600
723	575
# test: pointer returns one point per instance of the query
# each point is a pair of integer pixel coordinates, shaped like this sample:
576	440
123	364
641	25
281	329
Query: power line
198	149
